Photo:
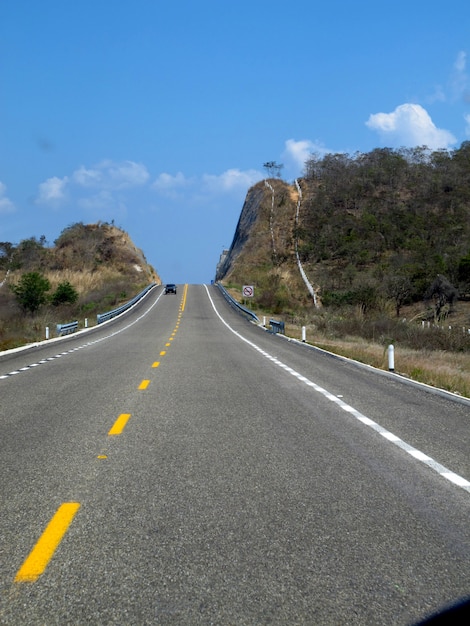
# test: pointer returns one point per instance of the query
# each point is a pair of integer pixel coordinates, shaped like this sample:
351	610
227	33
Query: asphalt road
180	465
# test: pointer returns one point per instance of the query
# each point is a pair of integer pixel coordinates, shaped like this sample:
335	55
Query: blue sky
160	115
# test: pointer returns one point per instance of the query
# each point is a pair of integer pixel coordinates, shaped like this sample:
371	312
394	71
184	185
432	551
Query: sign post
248	291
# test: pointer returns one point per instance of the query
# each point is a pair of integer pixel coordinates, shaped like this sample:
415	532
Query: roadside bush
31	291
64	294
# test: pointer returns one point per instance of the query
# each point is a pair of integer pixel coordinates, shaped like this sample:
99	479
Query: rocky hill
99	261
381	231
262	252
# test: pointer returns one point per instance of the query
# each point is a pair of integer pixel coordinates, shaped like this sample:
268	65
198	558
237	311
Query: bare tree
273	169
399	288
443	294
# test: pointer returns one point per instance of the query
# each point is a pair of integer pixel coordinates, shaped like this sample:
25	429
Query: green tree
31	252
6	253
31	291
64	294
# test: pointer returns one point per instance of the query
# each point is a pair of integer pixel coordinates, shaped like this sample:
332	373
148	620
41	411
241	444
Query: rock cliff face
249	215
265	230
263	251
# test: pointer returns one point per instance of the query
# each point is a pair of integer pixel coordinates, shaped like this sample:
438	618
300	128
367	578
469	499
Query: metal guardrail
236	305
66	329
277	327
104	317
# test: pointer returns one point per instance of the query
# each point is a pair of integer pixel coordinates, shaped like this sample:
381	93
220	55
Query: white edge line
413	452
89	343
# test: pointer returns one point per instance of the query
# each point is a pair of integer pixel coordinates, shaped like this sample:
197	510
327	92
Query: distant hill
99	261
382	230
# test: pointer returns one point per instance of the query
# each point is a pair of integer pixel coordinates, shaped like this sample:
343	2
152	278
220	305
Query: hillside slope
80	248
99	261
262	252
381	231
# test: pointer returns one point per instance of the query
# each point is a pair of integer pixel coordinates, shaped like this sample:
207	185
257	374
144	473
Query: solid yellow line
44	549
119	424
183	303
144	384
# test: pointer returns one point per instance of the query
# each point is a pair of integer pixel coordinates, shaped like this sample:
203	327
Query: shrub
64	294
31	291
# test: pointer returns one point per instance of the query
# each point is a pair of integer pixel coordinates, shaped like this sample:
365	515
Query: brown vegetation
99	260
383	237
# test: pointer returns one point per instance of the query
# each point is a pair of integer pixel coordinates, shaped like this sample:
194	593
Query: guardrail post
277	327
66	328
391	358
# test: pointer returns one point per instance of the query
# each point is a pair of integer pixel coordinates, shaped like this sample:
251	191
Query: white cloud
53	190
459	79
103	200
410	125
167	182
438	95
106	189
460	62
102	180
457	86
126	174
87	177
231	180
111	175
6	205
467	124
298	152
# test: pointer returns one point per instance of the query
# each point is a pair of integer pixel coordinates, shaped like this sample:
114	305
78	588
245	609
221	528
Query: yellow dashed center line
119	424
43	551
47	544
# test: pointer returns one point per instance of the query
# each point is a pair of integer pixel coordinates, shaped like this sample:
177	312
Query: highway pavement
181	465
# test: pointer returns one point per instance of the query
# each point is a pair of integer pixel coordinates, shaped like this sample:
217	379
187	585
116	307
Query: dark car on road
170	288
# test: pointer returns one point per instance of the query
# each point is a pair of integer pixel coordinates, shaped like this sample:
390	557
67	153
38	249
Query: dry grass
98	260
438	368
98	292
423	360
83	282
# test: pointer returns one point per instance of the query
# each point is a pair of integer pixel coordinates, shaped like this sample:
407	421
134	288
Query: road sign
248	291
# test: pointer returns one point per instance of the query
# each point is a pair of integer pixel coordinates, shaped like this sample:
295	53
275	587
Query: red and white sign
248	291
